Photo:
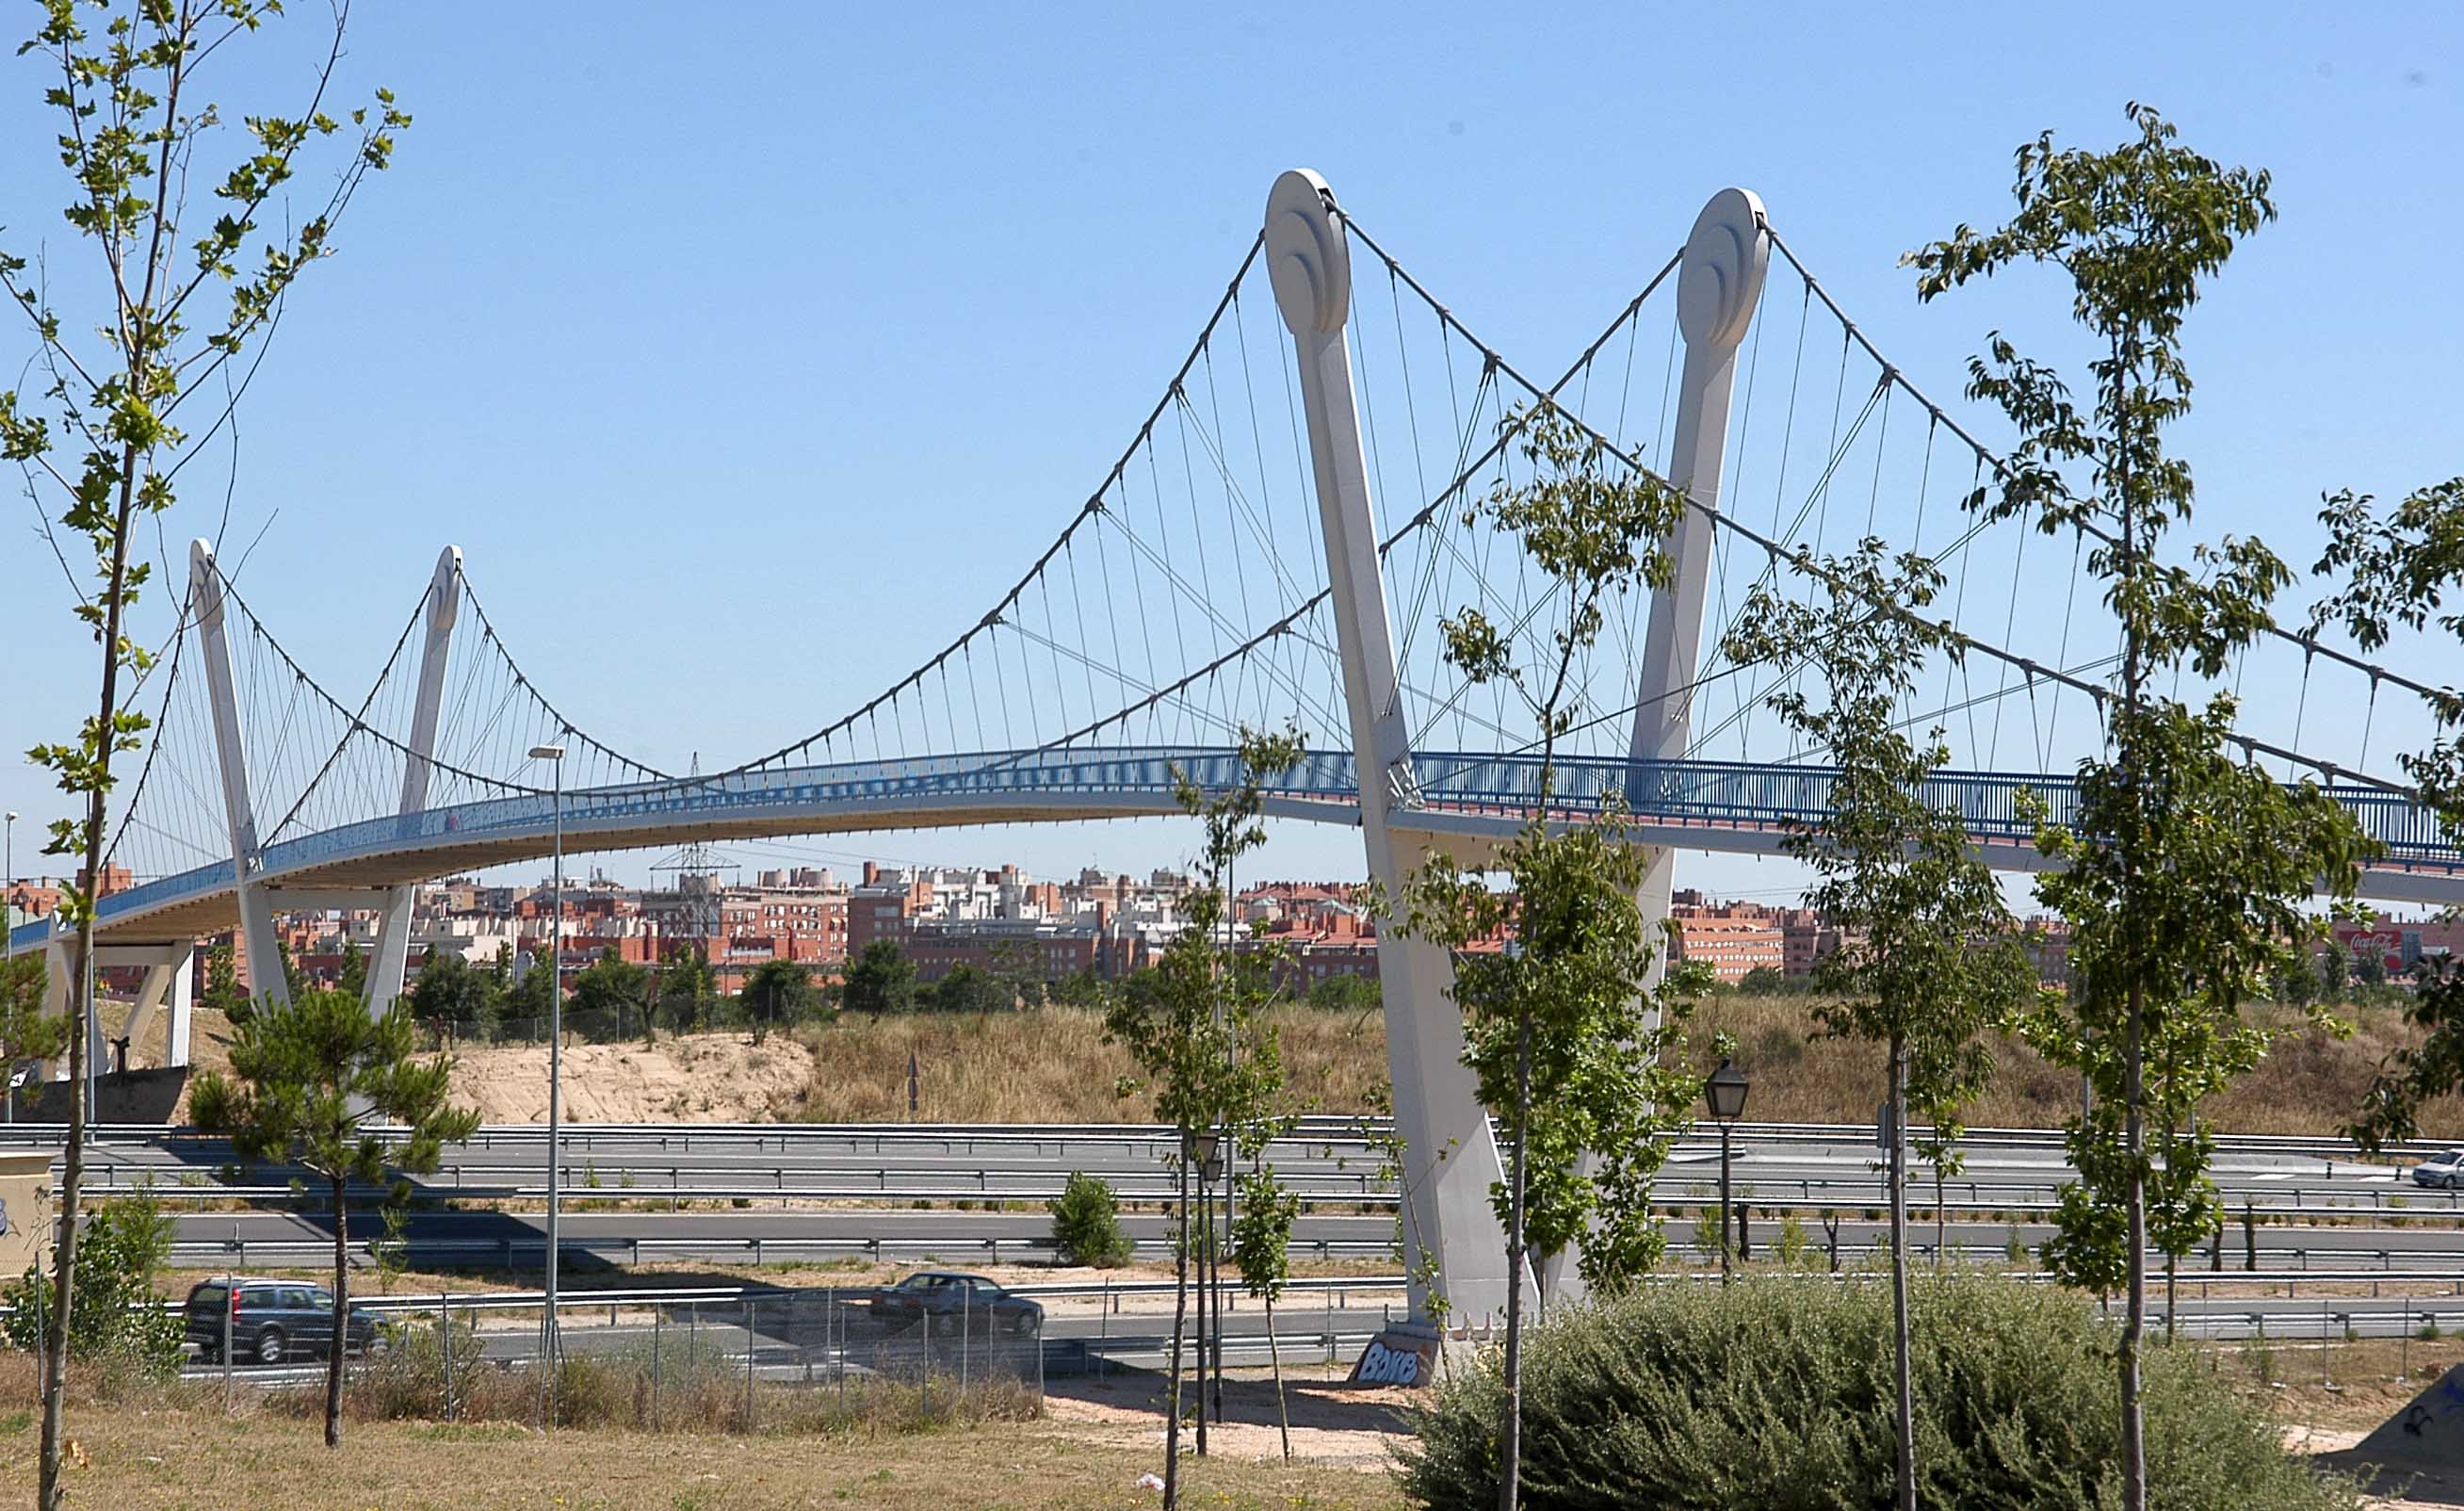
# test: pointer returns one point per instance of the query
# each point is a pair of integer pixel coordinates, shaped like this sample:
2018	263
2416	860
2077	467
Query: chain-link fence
790	1359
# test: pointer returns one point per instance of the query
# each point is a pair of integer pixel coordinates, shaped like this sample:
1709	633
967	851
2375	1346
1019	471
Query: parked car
272	1321
2445	1168
945	1302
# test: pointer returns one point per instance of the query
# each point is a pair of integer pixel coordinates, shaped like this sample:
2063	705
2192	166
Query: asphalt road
680	1163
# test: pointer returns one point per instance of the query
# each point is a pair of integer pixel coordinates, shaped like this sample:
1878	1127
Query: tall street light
1725	1095
553	755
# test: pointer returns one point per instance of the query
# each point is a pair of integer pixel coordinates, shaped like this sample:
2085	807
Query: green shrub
1774	1396
1086	1224
112	1315
1791	1245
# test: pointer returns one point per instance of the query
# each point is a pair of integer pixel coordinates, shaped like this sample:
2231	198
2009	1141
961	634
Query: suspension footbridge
1274	547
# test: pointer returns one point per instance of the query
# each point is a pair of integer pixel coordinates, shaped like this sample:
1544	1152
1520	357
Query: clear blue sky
748	351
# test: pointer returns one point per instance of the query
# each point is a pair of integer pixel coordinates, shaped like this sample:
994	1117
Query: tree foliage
2396	571
1567	1030
450	990
967	989
2183	871
779	992
1194	1024
1927	961
311	1083
1086	1224
688	990
881	980
113	1318
120	397
26	1031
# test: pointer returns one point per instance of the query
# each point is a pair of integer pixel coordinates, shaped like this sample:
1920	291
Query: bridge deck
1463	800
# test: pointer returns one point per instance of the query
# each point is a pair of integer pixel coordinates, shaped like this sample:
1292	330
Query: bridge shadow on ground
2412	1482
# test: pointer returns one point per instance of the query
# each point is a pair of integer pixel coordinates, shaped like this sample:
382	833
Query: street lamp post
1725	1094
553	755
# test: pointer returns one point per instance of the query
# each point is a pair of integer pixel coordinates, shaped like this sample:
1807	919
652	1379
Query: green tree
1765	980
107	429
967	990
26	1031
2185	873
779	992
311	1083
1086	1224
1927	961
2334	974
611	992
688	990
1345	994
882	980
224	995
2399	570
1262	1243
352	976
450	990
1191	1022
1567	1032
526	996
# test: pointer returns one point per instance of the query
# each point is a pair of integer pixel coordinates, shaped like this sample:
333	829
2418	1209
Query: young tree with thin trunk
309	1083
1194	1026
2186	871
1566	1029
108	423
1926	962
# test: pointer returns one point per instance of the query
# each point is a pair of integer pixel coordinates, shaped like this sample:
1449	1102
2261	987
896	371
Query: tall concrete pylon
393	929
265	977
1453	1243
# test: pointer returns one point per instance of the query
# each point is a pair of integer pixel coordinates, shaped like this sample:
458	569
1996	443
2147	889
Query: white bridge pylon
1451	1162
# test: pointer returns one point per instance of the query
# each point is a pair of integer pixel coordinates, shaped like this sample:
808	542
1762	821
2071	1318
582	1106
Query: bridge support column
394	928
265	976
1450	1159
170	987
1718	287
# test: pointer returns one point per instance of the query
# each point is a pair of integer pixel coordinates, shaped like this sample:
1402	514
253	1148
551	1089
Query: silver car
2443	1169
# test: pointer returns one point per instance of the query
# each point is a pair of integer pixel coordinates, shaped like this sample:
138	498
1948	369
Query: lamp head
1725	1091
547	752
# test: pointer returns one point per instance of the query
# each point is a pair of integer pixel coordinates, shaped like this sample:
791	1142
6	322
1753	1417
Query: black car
945	1302
272	1321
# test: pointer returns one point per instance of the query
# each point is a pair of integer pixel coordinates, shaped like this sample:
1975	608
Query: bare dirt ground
706	1078
1332	1423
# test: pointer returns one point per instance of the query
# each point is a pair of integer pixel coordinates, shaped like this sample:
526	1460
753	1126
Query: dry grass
2310	1083
1054	1066
1050	1065
144	1447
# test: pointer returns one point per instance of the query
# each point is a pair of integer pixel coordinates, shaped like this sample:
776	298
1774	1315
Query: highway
660	1166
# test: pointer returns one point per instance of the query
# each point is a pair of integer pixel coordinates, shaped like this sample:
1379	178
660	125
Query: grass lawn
137	1459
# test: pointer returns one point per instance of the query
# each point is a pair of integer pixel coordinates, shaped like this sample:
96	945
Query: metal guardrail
1320	1129
532	1250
